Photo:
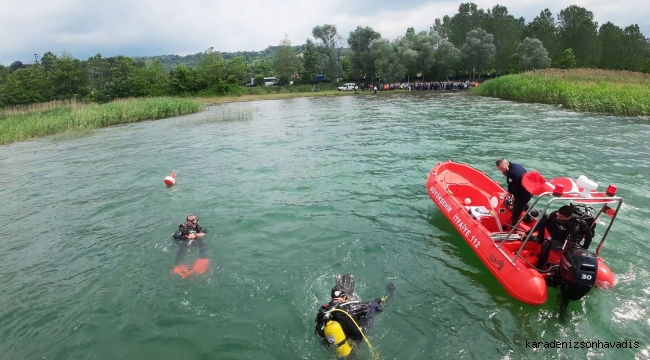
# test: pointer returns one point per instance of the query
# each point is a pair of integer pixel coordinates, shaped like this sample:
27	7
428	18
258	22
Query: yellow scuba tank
336	336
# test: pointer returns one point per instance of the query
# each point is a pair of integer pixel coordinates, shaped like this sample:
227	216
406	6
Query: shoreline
216	100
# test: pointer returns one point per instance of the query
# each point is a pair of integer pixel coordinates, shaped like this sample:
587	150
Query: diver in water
344	319
190	233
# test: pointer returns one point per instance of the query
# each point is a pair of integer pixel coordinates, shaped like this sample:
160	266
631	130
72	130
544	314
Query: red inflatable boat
476	205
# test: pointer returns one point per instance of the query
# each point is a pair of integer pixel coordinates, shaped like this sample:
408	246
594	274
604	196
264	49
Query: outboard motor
578	270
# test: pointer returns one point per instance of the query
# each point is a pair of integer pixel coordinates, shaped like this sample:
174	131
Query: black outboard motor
578	270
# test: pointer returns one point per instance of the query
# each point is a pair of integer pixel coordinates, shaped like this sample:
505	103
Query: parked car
349	87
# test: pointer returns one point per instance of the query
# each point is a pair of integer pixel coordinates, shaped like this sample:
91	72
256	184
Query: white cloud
148	27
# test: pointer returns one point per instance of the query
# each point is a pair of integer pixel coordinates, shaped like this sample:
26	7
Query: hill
171	61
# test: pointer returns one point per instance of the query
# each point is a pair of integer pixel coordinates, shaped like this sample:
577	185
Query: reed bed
590	90
217	116
33	121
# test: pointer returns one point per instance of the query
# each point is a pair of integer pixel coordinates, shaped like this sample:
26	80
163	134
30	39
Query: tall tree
211	68
416	51
611	38
442	27
125	79
507	31
68	77
478	50
98	73
361	62
4	74
330	46
155	78
310	60
468	18
447	57
579	31
286	62
635	48
544	29
237	67
387	61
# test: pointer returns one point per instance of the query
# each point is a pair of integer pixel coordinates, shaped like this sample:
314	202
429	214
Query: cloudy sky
159	27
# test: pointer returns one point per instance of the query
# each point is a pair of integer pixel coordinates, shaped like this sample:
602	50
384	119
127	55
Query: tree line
469	44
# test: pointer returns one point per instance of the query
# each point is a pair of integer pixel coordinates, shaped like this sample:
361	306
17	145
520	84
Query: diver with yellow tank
343	322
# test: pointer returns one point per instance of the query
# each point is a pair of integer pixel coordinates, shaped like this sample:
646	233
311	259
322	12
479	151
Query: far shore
292	95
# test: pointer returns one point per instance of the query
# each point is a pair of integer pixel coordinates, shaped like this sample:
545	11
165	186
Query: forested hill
171	61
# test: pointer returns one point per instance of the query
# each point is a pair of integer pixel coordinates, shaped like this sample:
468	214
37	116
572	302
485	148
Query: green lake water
305	189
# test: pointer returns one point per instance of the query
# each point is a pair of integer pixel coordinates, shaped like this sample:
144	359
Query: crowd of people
447	85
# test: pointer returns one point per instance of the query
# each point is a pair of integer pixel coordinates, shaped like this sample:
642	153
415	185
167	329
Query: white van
349	87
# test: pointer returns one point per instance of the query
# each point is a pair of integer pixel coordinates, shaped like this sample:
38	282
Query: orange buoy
171	179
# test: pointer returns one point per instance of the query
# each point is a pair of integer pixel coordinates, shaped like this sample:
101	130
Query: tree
578	31
468	18
566	60
544	29
125	79
182	80
237	67
442	27
68	78
47	60
635	47
310	60
532	55
286	62
478	50
211	68
155	78
16	65
98	73
330	47
261	67
611	38
259	80
416	51
387	61
4	74
447	57
361	62
507	31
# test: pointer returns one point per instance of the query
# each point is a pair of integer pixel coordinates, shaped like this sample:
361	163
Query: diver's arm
541	226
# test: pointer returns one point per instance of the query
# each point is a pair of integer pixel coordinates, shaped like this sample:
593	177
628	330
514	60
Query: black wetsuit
362	312
183	242
560	231
514	176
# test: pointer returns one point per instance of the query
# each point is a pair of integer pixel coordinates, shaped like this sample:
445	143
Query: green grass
588	90
38	120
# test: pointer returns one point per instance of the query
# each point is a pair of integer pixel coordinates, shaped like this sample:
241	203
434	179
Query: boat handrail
606	200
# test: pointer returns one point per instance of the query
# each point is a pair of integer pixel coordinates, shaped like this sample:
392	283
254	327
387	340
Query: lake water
302	190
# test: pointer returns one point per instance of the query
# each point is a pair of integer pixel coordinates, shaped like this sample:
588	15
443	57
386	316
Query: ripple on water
307	189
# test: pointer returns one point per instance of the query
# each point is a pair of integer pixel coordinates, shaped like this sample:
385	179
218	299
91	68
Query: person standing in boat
514	174
562	226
